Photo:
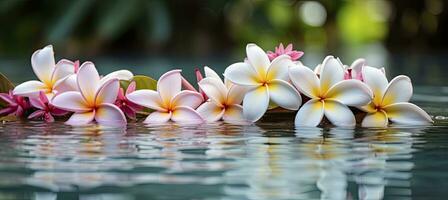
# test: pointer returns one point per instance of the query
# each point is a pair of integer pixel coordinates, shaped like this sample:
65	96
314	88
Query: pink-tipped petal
183	114
43	63
108	92
110	114
88	81
48	117
30	89
158	117
66	84
63	69
79	119
169	85
187	98
70	101
36	114
131	87
37	103
147	98
6	98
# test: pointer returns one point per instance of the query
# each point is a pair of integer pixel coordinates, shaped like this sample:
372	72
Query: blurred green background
151	37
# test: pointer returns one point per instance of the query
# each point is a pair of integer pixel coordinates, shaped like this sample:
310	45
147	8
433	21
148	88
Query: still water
267	160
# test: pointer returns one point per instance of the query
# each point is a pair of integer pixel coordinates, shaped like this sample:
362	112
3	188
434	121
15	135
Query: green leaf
5	86
144	82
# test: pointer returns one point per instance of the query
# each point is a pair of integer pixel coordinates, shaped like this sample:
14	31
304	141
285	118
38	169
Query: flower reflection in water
268	161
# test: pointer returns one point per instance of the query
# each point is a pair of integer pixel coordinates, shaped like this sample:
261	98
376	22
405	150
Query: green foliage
141	82
5	86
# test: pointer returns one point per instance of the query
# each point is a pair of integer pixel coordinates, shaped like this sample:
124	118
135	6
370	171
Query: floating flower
52	76
169	102
128	107
266	81
16	104
224	100
390	102
93	101
330	95
45	110
280	50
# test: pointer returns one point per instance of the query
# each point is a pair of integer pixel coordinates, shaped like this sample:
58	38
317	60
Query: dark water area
268	160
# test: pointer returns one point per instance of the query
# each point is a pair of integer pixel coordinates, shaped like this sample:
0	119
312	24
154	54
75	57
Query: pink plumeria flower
45	110
267	82
330	95
390	102
94	100
169	102
128	107
280	50
52	76
224	102
16	104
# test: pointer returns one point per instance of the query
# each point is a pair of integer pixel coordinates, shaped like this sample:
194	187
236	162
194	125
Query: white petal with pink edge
210	112
147	98
70	101
339	114
187	98
43	63
108	92
255	103
158	117
66	84
407	113
242	74
350	92
110	114
63	69
310	114
88	81
80	119
183	114
284	94
398	90
375	119
30	89
305	80
214	89
168	85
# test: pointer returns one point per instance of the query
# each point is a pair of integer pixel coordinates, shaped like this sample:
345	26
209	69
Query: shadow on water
219	161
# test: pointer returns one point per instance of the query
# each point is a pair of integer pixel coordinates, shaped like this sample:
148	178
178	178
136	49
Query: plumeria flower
52	77
94	100
224	101
45	110
169	102
265	80
390	102
354	71
329	95
129	108
16	104
280	50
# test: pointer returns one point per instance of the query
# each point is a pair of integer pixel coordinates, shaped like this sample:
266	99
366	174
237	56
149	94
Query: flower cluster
263	81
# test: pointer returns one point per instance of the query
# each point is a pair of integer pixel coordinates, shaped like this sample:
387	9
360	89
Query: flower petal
283	94
169	85
147	98
242	74
407	113
30	89
279	68
210	73
183	114
36	114
305	80
375	119
369	108
234	113
120	75
377	82
350	92
339	114
108	92
258	59
235	94
210	111
37	103
110	114
356	68
63	69
187	98
66	84
158	117
398	90
43	63
332	73
78	119
255	103
214	89
310	114
88	81
70	101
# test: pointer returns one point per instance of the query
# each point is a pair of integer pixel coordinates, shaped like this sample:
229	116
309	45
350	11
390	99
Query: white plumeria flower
354	71
390	102
169	102
330	95
52	77
93	101
224	101
71	84
265	81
